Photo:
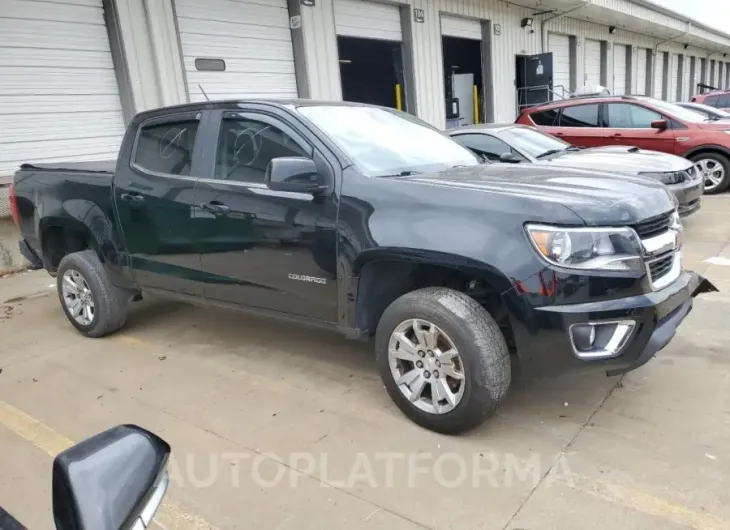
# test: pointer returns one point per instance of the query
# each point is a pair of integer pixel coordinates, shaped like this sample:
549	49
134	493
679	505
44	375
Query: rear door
262	248
630	124
580	125
154	202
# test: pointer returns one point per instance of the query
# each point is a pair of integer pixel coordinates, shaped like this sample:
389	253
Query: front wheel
443	359
714	170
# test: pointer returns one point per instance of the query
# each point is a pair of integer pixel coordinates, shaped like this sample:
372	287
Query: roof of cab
228	103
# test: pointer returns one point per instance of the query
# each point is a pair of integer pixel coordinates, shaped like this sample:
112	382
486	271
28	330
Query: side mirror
659	124
293	173
111	481
509	158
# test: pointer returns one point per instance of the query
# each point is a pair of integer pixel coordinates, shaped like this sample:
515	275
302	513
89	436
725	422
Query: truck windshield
385	142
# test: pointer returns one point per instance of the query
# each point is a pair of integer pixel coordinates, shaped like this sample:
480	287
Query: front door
154	202
262	248
630	124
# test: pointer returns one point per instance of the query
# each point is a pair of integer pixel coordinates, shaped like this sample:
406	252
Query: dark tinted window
167	148
724	101
712	100
545	118
245	148
627	116
579	116
484	145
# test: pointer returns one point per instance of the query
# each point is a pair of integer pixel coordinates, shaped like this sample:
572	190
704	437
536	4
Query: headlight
599	249
674	177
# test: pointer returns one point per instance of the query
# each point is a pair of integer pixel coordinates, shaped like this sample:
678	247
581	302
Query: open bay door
461	40
369	43
236	49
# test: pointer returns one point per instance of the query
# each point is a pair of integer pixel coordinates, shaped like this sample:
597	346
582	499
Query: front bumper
657	315
689	196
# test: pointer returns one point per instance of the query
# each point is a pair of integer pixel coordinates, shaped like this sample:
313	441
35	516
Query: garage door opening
463	81
371	71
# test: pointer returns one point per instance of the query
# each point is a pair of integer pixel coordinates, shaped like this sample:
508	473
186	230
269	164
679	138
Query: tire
110	304
483	353
720	159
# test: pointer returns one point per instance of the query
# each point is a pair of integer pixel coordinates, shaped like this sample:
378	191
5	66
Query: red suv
643	122
720	99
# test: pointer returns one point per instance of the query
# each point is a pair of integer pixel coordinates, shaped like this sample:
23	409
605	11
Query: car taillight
14	205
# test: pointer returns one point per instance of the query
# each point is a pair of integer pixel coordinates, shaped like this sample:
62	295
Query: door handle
559	134
215	207
132	197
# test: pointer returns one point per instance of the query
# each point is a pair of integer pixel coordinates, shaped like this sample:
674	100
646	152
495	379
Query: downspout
543	24
656	52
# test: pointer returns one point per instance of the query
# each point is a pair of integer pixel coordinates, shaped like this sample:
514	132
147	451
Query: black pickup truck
370	221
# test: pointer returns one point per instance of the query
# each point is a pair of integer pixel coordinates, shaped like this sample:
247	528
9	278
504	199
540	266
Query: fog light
600	340
584	335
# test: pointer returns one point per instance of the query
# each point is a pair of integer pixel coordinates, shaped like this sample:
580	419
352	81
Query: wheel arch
383	275
712	148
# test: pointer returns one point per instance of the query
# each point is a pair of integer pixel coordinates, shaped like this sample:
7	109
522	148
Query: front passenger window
627	116
246	146
485	146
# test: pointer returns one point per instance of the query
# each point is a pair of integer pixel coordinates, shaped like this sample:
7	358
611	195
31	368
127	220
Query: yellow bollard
398	98
476	104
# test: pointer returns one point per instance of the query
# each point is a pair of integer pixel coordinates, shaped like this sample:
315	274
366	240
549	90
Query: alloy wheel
713	173
77	297
426	366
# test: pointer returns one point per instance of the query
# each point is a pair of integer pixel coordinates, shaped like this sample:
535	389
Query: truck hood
619	159
600	199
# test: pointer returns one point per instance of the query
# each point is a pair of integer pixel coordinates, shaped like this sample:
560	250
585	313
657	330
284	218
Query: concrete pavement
274	426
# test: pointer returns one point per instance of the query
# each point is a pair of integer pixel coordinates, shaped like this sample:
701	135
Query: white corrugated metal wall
673	77
559	45
251	36
686	81
592	62
659	75
59	96
369	20
620	69
641	66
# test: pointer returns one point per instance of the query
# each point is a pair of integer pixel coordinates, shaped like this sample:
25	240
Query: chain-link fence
4	199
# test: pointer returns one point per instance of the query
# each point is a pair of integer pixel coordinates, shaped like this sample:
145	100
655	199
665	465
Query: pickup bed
369	221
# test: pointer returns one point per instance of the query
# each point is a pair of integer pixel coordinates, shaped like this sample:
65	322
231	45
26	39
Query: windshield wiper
551	152
406	173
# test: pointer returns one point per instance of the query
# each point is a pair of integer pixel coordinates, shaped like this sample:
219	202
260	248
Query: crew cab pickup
369	221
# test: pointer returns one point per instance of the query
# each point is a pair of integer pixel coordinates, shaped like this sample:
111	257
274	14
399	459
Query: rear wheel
91	303
443	359
715	171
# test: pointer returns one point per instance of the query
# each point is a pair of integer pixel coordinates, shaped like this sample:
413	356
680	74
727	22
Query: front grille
654	226
661	267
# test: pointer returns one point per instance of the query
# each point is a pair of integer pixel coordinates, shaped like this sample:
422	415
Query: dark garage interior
463	56
370	69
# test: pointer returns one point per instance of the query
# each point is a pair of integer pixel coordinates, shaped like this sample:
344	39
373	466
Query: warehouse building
73	72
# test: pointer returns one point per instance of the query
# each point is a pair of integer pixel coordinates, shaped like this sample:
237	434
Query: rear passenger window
546	118
723	102
166	147
579	116
712	100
